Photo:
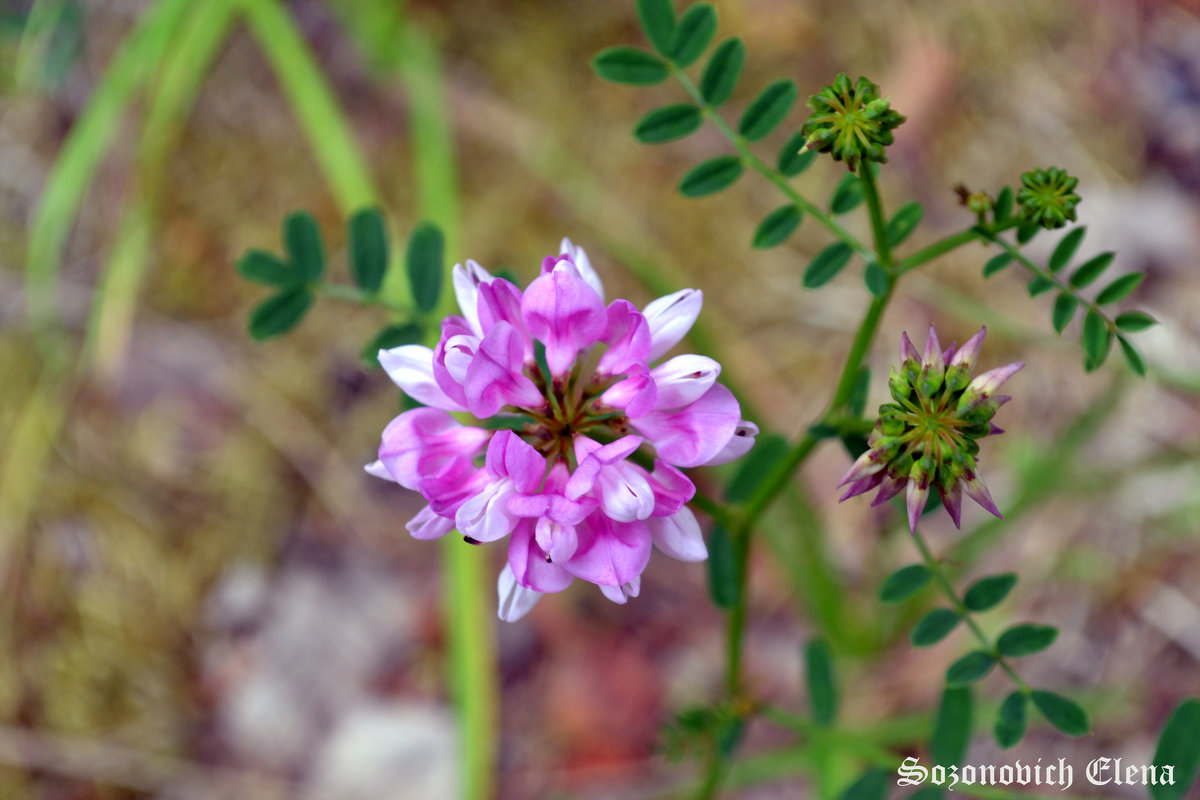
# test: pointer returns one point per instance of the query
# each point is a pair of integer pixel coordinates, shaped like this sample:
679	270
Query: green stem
758	165
878	224
954	241
354	294
943	583
1052	278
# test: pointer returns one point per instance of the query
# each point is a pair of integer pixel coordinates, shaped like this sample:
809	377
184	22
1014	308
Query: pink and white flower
579	468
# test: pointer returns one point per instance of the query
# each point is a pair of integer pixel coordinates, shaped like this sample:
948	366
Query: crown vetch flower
579	465
929	437
851	122
1047	197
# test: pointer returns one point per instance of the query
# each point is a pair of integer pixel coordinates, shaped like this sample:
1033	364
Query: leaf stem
758	165
878	224
353	294
943	583
953	242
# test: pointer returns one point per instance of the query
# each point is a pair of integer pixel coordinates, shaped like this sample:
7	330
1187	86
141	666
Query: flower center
573	405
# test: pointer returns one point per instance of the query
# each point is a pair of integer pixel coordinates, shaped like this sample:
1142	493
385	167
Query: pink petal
952	502
628	337
529	564
561	310
671	489
500	301
610	553
907	350
466	290
510	456
917	495
683	380
579	258
420	442
975	488
495	377
620	594
968	354
696	433
428	525
933	352
738	445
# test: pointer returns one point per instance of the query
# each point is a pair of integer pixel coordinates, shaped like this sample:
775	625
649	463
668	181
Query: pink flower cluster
572	403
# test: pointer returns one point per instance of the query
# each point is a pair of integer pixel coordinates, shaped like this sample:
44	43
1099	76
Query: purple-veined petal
420	442
452	356
495	377
933	353
530	565
683	380
564	313
670	318
678	535
510	456
862	485
515	599
984	385
500	301
610	553
694	434
975	488
466	290
907	350
968	354
738	445
866	464
915	501
452	485
628	337
889	487
671	489
428	525
410	367
485	517
579	258
952	502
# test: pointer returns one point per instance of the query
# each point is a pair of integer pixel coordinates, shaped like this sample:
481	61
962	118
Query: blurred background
203	594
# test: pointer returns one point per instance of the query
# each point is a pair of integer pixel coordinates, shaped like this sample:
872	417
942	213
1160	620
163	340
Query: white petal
737	446
678	536
515	599
683	379
411	368
378	470
670	318
619	594
580	257
625	494
485	517
428	525
466	291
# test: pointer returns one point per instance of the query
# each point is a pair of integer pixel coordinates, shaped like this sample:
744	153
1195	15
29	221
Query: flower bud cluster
1047	197
928	438
851	122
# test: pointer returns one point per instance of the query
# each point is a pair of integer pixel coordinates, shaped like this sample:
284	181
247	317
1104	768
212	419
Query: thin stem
758	165
953	242
1052	278
943	583
354	294
875	209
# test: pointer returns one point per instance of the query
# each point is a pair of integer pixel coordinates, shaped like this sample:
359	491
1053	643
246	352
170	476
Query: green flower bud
1047	197
851	123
